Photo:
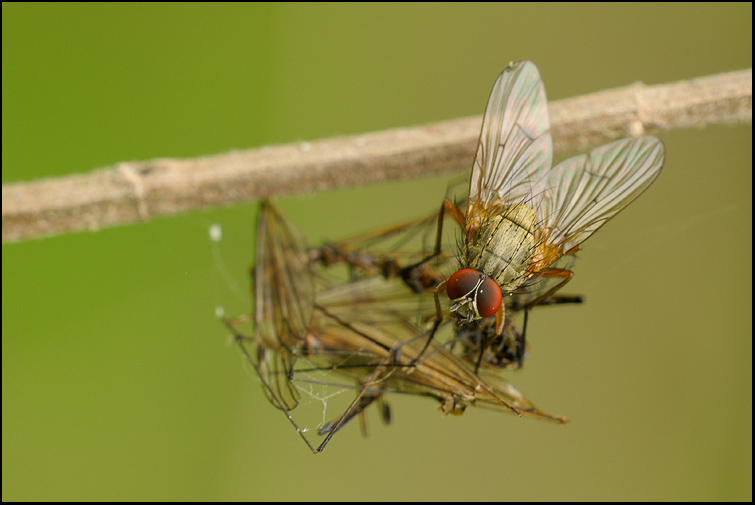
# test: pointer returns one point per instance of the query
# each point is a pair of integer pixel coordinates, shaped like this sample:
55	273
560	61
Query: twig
138	191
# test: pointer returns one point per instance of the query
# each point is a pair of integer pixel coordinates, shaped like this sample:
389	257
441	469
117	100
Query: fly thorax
504	245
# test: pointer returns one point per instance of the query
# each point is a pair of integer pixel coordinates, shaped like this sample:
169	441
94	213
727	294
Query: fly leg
361	402
565	275
552	300
453	211
521	349
547	298
500	317
385	414
364	402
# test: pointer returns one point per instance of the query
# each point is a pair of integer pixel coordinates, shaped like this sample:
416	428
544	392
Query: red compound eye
462	282
488	298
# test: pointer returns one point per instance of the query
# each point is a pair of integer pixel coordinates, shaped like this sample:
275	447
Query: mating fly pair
318	335
389	332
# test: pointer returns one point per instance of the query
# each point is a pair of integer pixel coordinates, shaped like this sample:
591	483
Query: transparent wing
284	301
515	146
580	194
283	282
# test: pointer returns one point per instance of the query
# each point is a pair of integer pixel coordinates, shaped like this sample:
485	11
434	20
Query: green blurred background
118	381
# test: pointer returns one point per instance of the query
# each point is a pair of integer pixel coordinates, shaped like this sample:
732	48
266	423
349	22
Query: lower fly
316	332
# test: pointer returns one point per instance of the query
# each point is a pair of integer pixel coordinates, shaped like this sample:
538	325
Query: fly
522	215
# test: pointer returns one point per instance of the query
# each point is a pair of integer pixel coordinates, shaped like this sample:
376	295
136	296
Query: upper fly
522	214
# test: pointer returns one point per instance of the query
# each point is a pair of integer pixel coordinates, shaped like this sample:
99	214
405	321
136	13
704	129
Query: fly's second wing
580	194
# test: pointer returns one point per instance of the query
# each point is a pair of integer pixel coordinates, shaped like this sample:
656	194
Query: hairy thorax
503	246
